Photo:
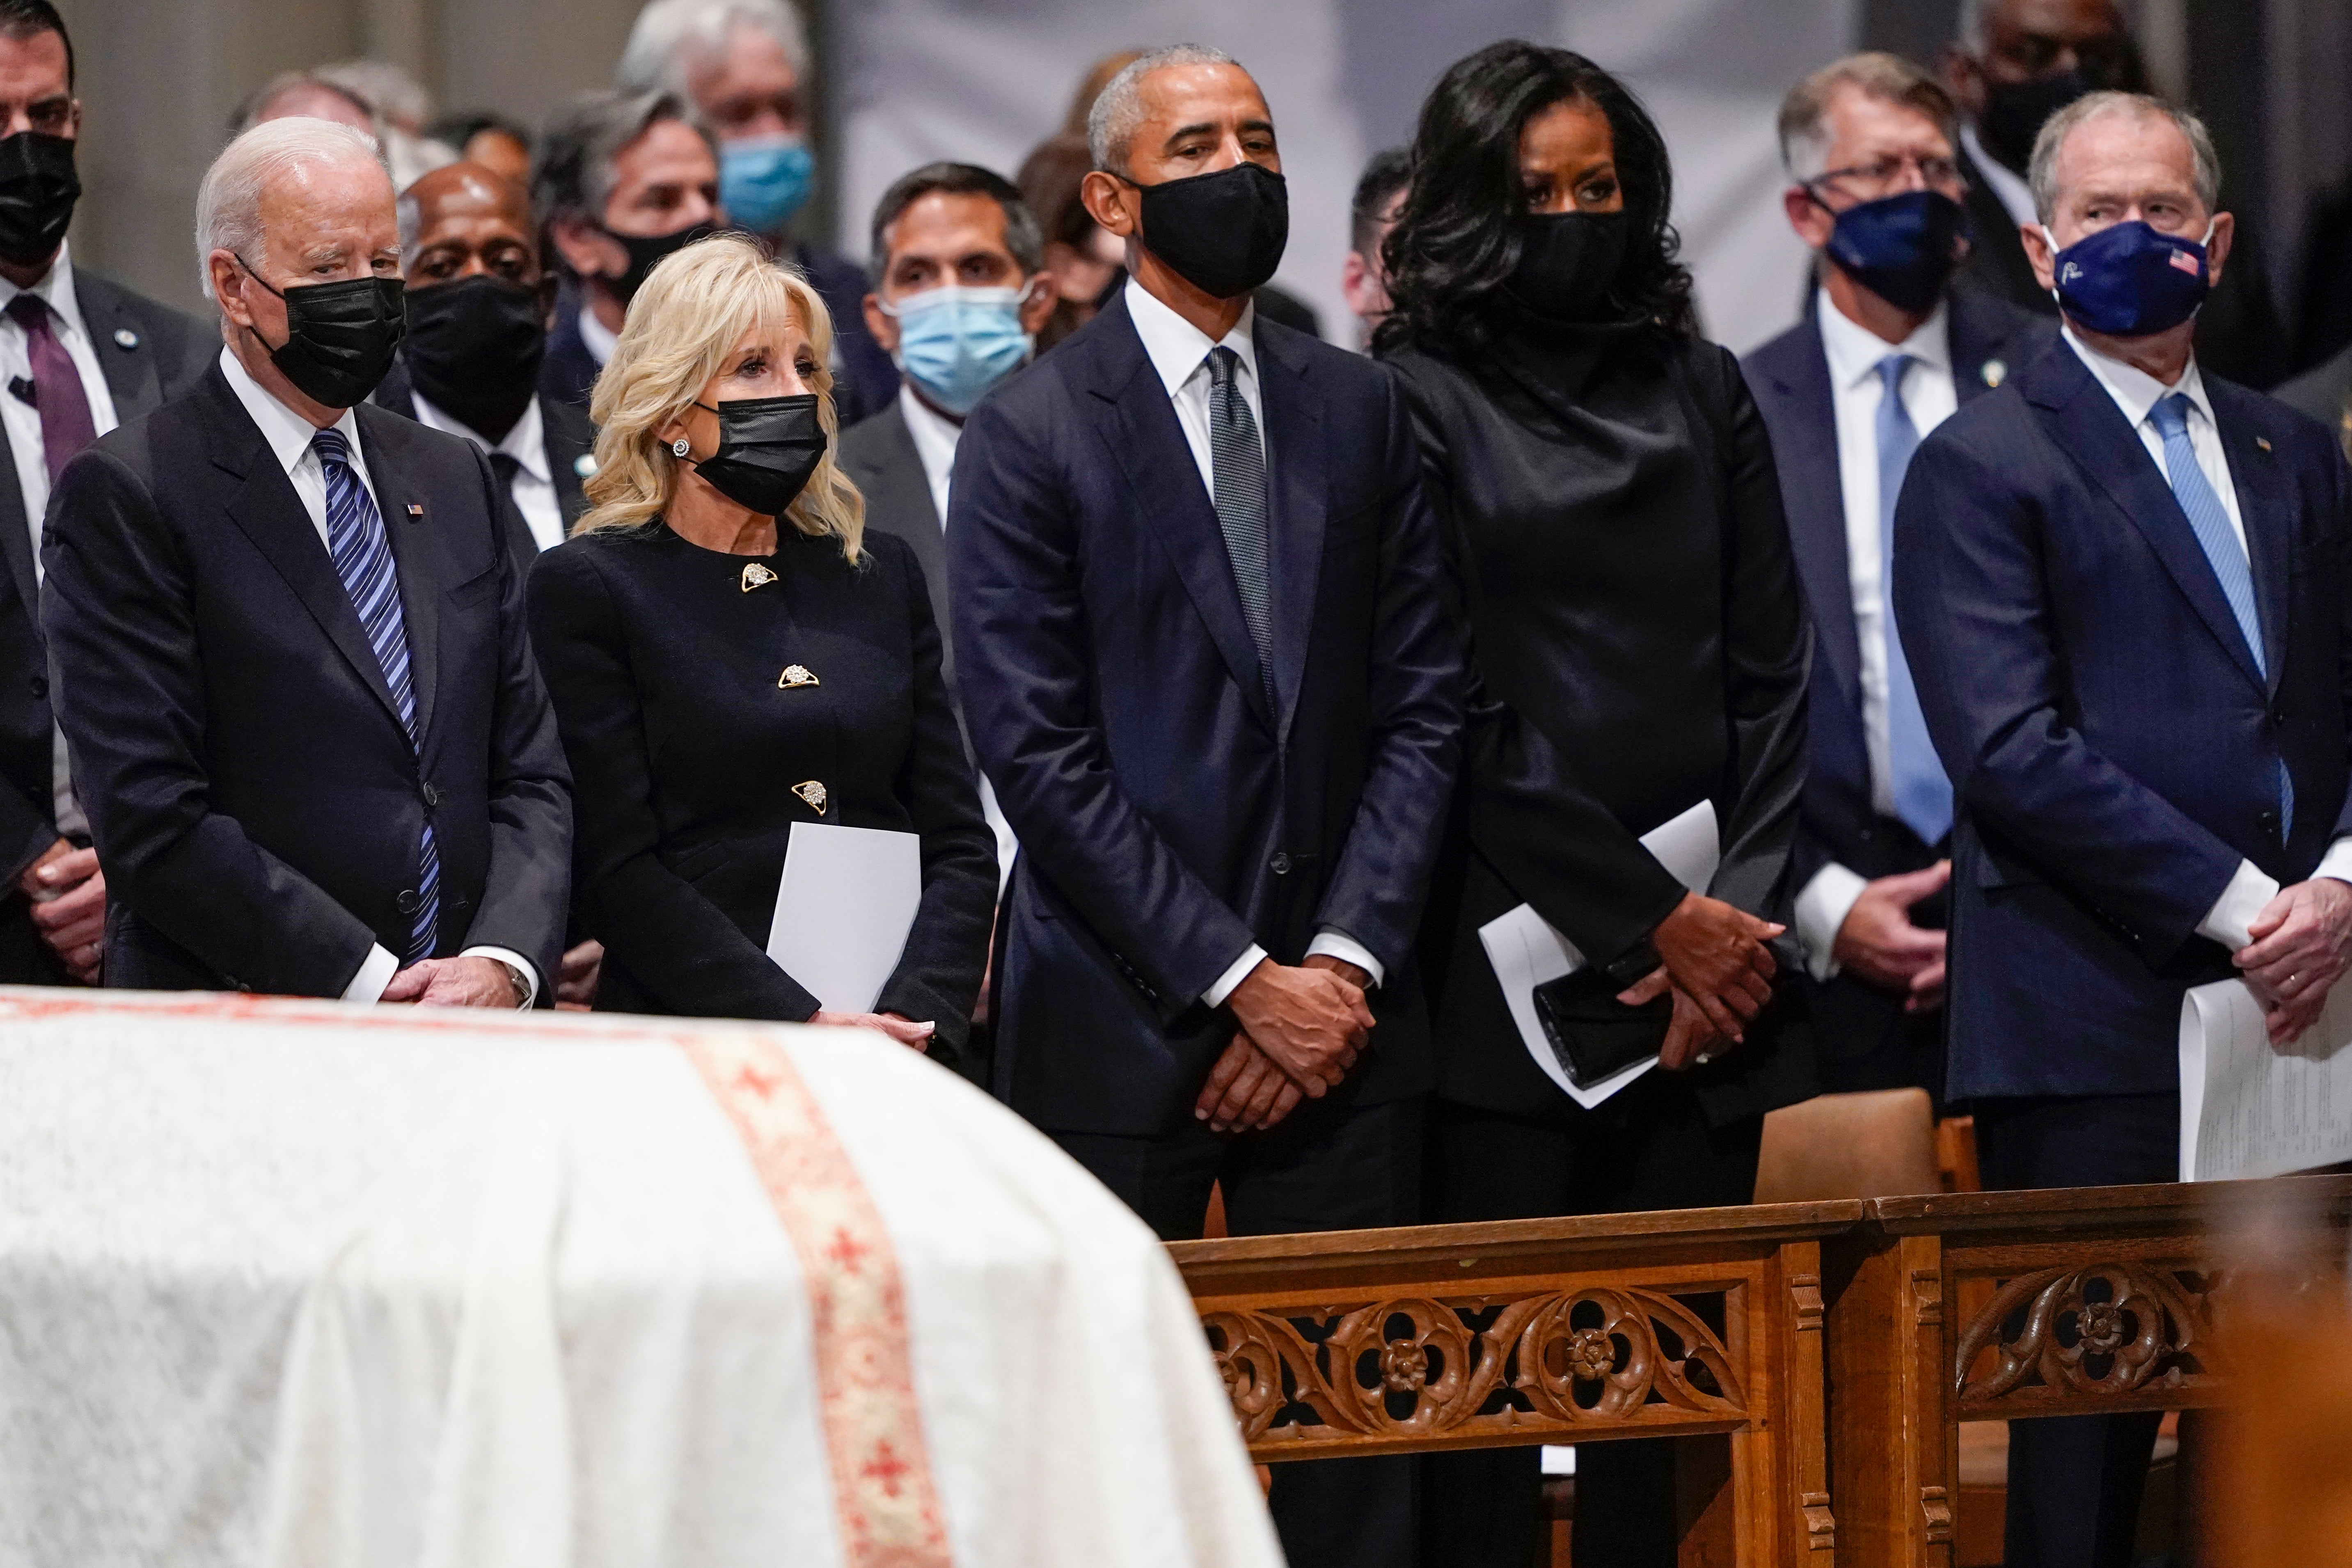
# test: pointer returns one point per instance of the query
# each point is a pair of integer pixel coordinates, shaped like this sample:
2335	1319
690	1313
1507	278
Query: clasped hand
1301	1031
2302	943
1713	957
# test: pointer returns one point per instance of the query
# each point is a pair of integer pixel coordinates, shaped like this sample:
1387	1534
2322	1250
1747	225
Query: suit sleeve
2340	515
1025	670
1979	633
1376	890
526	892
939	974
127	671
681	947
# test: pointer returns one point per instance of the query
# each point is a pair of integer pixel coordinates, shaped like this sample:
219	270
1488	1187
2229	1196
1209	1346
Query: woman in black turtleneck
1623	576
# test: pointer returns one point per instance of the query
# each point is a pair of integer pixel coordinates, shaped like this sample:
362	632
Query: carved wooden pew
1997	1306
1685	1323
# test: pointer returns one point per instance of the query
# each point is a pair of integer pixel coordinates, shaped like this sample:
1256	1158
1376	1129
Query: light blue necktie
1922	794
2209	520
362	556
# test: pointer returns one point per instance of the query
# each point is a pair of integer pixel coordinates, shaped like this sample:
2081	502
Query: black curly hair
1457	238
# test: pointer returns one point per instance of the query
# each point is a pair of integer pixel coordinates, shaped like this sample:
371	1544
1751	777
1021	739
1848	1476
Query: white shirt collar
288	433
2015	195
2134	391
1177	348
935	434
56	287
1854	351
525	442
598	339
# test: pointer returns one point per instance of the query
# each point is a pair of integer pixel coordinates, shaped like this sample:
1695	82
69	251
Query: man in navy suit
1890	349
1202	658
2120	585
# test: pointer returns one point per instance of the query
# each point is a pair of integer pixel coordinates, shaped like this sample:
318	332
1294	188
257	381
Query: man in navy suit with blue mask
1203	657
1891	347
2121	589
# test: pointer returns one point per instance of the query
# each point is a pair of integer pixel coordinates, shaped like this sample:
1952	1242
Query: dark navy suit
1865	1039
2115	751
1169	815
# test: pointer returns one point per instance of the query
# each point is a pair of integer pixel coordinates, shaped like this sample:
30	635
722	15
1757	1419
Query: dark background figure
1621	569
1083	263
1202	654
79	355
492	141
619	180
2016	63
1890	347
1380	196
744	65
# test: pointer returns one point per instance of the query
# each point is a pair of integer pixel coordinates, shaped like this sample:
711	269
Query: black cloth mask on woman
1567	262
38	188
1223	232
647	250
339	336
474	350
767	450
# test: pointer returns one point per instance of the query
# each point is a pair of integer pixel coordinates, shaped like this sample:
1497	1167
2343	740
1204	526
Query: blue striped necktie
362	556
1915	777
1237	486
2209	520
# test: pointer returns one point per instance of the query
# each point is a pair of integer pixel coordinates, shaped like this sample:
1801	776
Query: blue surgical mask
2127	281
1901	247
954	343
764	180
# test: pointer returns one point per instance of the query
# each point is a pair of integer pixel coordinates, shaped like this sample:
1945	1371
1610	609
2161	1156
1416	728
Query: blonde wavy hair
692	309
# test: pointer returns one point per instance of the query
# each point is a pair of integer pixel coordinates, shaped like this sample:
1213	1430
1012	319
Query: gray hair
2041	173
384	87
1118	113
228	202
655	58
1891	78
571	172
1970	27
248	112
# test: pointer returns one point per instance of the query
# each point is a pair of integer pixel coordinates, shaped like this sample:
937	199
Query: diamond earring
680	447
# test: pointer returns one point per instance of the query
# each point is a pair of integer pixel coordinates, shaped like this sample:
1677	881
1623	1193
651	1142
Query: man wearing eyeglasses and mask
1891	347
79	354
287	638
621	180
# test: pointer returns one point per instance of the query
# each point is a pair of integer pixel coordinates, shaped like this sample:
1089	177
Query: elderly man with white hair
287	643
2120	586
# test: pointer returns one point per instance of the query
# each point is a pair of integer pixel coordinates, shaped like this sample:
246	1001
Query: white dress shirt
22	422
598	339
289	437
1179	352
2136	392
2014	195
1930	397
534	482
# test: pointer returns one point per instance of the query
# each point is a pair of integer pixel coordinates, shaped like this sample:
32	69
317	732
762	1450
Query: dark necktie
506	464
355	538
66	424
1237	486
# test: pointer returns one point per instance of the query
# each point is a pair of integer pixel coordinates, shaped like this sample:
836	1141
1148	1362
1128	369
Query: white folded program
285	1284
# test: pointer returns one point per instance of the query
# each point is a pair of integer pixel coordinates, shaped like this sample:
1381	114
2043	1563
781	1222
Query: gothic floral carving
2105	1330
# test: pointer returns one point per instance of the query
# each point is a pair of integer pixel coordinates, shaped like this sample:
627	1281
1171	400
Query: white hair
1118	113
655	56
384	88
2042	170
228	202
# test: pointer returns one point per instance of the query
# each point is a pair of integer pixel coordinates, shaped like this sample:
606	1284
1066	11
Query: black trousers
1328	1167
1648	1148
26	958
2075	1482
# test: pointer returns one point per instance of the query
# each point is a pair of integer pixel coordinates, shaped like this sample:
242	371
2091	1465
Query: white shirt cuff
1215	995
2337	861
1347	950
376	971
2250	889
526	972
1821	910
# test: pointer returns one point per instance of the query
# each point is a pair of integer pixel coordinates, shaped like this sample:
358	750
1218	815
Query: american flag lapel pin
416	511
2264	442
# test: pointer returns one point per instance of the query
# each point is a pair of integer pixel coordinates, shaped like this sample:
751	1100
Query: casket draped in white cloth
292	1283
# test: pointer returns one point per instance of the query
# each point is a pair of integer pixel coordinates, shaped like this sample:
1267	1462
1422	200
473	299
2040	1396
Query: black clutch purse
1594	1036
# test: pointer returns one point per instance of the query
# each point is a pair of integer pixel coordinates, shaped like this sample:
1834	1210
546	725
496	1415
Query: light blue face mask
764	180
954	343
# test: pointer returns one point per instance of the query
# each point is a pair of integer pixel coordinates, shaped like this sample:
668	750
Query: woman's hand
1691	1040
1716	955
904	1030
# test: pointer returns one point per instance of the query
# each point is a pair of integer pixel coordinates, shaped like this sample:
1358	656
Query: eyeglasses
1887	173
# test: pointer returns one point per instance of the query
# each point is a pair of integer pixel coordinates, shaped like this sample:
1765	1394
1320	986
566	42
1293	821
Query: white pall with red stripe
292	1283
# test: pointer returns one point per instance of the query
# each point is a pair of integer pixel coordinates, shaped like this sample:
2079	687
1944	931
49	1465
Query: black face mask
340	337
474	348
646	249
1222	233
768	448
38	188
1566	263
2014	113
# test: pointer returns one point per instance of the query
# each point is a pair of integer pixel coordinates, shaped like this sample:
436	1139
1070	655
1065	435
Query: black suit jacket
255	798
1169	815
568	373
664	674
564	431
2114	750
879	454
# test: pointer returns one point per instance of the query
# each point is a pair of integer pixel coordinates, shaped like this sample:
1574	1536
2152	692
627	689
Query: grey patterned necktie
1238	488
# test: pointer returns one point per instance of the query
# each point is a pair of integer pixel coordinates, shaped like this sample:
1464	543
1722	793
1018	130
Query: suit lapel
2266	504
907	492
124	355
1805	446
411	537
17	535
1295	462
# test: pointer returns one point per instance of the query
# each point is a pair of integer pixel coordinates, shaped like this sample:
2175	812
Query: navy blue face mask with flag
2129	280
